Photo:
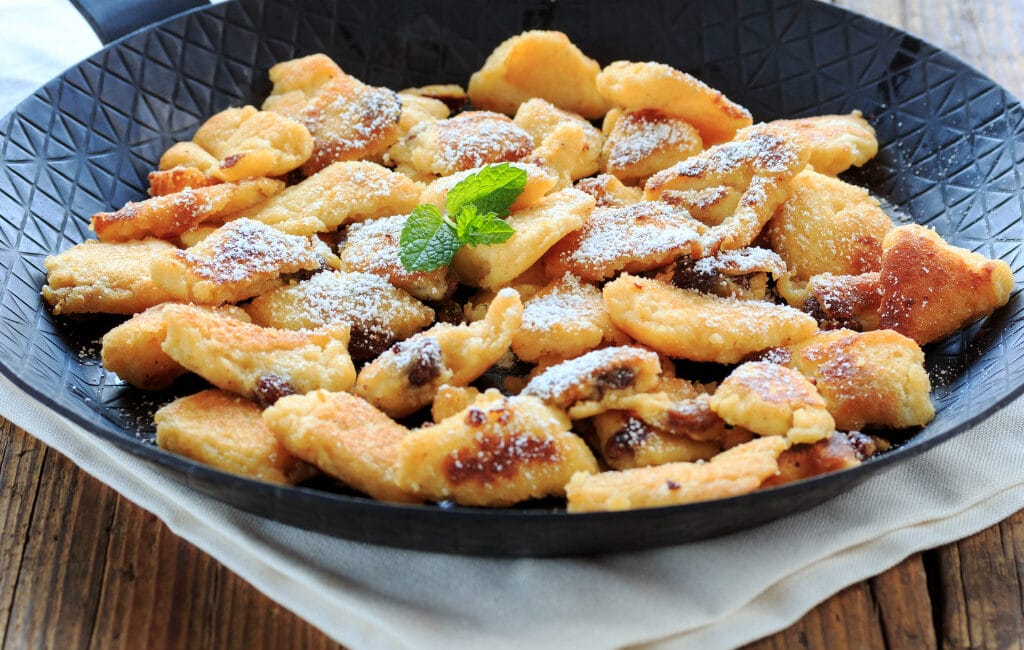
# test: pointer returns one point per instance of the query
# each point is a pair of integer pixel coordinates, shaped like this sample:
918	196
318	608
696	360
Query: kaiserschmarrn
690	305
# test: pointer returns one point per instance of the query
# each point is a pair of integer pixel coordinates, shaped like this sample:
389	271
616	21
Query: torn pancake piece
583	383
467	141
834	142
739	470
105	278
635	238
609	192
171	215
828	226
537	229
625	441
133	350
640	85
497	452
250	143
377	313
338	194
407	376
547	123
566	318
542	64
743	273
348	119
837	301
930	289
772	400
241	259
689	325
839	451
642	142
752	173
345	437
226	432
259	363
373	247
870	379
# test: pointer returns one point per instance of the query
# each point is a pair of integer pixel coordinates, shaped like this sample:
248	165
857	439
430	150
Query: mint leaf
428	242
474	209
493	189
483	229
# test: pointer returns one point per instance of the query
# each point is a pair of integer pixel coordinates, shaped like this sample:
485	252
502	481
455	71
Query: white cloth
718	593
40	38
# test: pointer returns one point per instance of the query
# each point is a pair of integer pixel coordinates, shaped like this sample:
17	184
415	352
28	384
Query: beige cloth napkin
718	593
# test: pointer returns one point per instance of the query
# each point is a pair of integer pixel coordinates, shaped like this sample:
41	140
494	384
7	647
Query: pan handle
112	19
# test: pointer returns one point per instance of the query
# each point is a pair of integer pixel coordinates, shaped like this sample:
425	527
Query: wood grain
904	606
981	588
21	465
64	547
850	620
159	591
80	567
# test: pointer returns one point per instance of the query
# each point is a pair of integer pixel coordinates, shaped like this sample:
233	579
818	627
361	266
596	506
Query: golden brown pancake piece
497	452
239	260
170	215
107	278
634	238
690	325
644	141
835	142
931	289
338	194
348	119
259	363
249	143
640	85
377	313
225	431
828	226
134	349
406	377
771	400
871	379
542	64
739	470
750	174
345	437
566	318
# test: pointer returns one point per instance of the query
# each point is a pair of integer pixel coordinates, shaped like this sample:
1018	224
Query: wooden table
81	567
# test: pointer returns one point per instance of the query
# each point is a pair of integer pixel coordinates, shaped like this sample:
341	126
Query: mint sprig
475	207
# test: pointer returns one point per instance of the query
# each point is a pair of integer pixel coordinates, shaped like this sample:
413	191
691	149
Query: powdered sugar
356	298
773	383
353	123
616	235
762	150
569	300
243	248
639	134
419	352
373	245
564	378
741	262
477	138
